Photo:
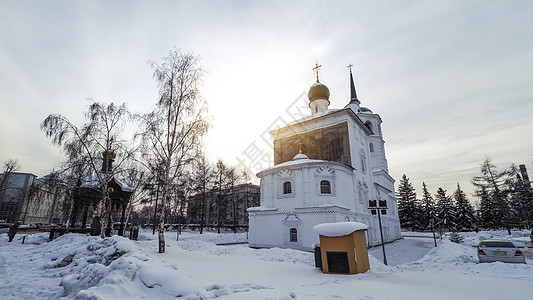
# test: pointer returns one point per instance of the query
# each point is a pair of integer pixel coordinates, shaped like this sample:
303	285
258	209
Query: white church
327	167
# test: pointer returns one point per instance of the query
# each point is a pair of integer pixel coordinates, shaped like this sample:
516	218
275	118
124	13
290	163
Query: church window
325	187
363	169
287	187
368	124
371	147
294	235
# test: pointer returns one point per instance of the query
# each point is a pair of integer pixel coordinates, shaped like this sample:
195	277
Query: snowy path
402	251
22	275
195	268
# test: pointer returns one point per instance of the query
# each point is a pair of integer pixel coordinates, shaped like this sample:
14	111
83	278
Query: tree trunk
161	229
101	210
202	212
122	218
234	215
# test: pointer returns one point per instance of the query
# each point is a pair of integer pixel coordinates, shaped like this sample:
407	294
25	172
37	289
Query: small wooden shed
343	247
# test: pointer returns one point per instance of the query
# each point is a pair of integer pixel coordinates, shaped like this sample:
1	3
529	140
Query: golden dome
318	91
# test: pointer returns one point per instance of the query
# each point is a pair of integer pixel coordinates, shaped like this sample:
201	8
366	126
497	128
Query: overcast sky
451	80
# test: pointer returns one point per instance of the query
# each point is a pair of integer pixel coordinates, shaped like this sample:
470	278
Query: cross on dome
316	68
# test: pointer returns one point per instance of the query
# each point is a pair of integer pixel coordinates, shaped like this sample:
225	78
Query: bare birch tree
203	180
100	135
10	165
173	131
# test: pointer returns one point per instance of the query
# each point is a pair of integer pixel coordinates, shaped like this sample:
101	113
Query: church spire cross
316	68
353	94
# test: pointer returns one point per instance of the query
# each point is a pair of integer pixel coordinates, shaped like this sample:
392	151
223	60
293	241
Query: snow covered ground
83	267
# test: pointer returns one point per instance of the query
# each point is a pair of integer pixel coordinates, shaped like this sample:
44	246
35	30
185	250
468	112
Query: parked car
499	250
4	227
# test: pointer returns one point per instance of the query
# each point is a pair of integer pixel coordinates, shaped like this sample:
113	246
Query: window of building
371	147
369	125
363	163
294	235
287	187
325	187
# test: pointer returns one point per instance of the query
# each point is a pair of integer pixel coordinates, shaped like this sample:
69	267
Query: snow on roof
325	205
322	113
339	229
262	208
90	181
299	161
94	181
123	186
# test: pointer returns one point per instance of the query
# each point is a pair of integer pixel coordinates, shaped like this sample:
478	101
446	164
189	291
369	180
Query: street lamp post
373	206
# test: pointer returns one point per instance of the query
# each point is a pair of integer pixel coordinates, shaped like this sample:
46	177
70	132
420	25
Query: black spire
353	94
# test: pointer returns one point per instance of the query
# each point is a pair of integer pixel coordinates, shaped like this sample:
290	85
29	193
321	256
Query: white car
4	227
499	250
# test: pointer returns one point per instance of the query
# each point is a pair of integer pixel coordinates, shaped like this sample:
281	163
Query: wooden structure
89	192
343	247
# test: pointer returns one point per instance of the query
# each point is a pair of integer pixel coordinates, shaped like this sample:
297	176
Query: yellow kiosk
343	247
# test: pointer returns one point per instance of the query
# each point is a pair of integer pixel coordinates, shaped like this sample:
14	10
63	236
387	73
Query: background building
50	202
26	198
15	191
233	203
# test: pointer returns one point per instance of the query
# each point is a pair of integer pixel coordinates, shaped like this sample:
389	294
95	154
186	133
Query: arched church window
325	187
368	124
371	147
293	235
287	187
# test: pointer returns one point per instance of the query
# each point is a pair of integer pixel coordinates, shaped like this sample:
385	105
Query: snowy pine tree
520	197
464	212
496	204
486	210
427	208
445	210
408	208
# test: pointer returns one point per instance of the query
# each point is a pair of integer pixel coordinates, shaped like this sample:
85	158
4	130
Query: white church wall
286	220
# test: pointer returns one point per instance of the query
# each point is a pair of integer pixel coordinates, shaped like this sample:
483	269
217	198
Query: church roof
326	114
353	94
366	110
300	161
94	182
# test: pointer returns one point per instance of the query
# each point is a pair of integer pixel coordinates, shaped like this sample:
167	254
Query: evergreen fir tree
520	197
427	208
486	210
408	210
464	211
445	210
491	182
